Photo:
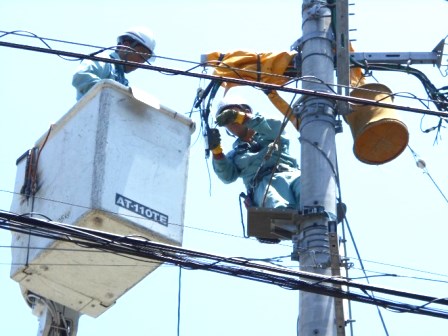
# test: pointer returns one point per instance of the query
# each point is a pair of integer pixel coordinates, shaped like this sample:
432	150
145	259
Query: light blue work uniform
91	72
245	160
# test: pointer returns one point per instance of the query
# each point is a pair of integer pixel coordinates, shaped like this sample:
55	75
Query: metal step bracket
279	223
269	223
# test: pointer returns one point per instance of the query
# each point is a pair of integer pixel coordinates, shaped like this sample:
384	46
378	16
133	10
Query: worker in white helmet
135	45
260	156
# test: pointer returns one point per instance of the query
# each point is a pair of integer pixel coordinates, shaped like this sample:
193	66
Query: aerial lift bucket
116	162
379	136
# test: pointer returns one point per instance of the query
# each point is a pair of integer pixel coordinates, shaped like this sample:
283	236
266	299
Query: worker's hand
214	138
230	116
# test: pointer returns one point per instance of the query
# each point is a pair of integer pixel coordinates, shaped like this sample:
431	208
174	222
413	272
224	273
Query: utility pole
55	319
316	240
318	164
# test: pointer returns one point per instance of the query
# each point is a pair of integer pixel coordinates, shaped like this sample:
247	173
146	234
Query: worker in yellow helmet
260	156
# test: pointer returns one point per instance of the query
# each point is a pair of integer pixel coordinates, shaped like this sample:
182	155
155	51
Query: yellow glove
214	141
217	150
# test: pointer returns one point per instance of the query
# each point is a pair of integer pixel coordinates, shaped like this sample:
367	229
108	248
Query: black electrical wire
238	267
439	99
431	90
25	33
383	322
124	215
265	86
437	96
422	165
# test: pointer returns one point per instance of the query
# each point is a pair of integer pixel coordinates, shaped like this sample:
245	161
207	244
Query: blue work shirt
91	72
245	158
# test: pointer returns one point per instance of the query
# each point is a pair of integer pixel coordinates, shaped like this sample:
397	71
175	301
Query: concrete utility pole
57	320
318	164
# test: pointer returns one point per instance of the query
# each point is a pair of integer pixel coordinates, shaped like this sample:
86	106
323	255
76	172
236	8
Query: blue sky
395	212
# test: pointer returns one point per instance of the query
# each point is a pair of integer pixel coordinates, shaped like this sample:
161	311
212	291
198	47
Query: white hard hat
141	35
229	101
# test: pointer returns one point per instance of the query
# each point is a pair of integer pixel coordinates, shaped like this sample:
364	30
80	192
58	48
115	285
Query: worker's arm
88	74
269	129
225	168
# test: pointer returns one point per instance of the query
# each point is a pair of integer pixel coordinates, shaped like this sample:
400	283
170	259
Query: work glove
214	138
214	141
230	116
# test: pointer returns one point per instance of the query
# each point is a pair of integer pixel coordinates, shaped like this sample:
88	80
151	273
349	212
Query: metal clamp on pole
312	239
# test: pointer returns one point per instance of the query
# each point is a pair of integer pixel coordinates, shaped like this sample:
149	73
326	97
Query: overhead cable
239	267
265	86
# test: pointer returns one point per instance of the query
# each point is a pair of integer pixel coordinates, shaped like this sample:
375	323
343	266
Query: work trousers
280	191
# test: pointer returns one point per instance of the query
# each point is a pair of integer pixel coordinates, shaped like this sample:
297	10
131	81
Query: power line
239	267
422	165
217	233
252	84
272	260
210	64
265	86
